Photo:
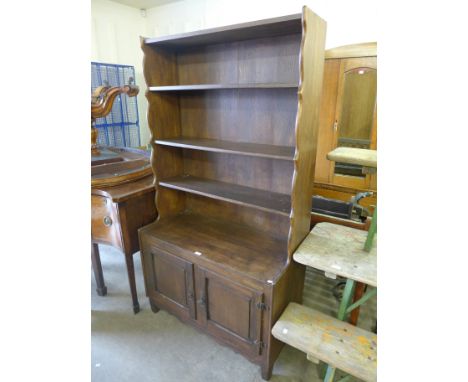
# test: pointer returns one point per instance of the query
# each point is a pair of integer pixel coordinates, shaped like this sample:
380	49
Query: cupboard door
229	311
172	284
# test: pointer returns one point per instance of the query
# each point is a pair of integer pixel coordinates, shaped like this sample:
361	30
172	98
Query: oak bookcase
233	114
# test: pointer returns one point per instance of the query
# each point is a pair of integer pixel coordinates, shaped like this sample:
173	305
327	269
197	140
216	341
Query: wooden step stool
337	251
330	340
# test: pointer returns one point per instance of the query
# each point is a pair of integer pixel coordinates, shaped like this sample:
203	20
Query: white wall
115	39
348	22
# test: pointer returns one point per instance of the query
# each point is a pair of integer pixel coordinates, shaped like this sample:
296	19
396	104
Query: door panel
173	283
229	311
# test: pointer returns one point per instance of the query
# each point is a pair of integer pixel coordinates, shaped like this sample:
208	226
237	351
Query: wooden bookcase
233	113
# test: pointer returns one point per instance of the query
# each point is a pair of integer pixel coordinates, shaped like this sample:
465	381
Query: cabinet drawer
105	225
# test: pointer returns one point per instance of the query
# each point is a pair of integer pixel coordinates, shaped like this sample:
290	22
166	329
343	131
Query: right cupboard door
230	311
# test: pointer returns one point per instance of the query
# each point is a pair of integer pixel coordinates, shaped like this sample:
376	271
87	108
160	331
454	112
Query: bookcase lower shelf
211	242
233	193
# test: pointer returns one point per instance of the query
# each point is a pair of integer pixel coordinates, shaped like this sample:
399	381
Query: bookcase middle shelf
233	193
229	147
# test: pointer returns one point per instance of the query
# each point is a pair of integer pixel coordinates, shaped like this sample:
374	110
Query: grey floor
149	347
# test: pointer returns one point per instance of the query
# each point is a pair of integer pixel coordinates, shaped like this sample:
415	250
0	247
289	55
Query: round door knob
107	221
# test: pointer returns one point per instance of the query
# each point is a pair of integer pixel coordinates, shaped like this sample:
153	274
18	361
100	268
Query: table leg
131	281
97	268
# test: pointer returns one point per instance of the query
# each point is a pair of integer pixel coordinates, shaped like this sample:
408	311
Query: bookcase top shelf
233	193
172	88
229	147
277	26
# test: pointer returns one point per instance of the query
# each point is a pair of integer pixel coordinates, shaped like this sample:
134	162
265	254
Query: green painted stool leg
345	302
346	299
330	375
372	232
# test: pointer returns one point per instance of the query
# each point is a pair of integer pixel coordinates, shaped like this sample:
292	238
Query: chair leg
131	281
97	268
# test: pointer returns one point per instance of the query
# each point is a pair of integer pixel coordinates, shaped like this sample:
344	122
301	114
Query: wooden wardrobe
348	117
233	152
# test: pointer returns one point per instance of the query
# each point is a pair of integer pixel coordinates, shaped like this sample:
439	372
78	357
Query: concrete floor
149	347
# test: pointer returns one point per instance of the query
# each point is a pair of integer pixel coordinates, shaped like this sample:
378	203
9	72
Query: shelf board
233	193
229	147
220	242
269	85
278	26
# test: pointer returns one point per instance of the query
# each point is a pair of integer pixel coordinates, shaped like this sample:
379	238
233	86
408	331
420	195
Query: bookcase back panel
265	60
170	202
264	116
273	224
261	173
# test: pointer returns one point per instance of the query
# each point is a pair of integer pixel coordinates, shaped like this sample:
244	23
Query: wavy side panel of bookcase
159	66
311	64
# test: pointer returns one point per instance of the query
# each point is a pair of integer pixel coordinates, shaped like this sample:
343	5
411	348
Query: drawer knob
107	221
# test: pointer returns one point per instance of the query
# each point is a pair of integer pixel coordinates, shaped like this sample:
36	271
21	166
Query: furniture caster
154	308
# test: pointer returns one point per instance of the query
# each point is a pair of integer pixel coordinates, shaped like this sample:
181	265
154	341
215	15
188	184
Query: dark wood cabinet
233	114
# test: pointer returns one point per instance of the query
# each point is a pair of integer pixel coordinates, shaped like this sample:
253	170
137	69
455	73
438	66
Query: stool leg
97	268
371	233
345	301
131	281
359	291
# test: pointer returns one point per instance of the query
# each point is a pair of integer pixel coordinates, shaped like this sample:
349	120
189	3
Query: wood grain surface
330	340
339	250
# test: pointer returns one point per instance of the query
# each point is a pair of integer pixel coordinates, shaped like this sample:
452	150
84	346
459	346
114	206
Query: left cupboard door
169	282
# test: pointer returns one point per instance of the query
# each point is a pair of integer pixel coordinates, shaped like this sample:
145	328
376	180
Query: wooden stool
337	251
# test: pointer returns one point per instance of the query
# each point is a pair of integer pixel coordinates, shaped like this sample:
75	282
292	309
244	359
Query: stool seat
337	343
363	157
339	250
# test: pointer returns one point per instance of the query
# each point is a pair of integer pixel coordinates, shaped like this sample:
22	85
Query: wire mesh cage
121	126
